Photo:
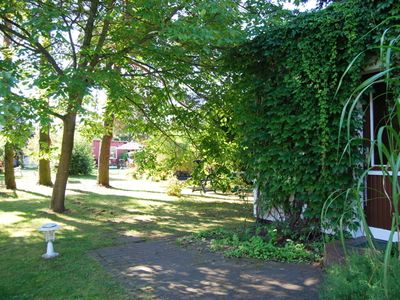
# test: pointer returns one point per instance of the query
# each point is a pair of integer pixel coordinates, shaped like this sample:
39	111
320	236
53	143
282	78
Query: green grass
96	219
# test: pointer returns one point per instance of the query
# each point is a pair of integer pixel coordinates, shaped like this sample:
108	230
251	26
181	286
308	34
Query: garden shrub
82	159
258	241
361	278
175	187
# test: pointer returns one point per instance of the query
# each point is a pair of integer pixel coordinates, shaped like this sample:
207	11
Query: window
379	115
113	152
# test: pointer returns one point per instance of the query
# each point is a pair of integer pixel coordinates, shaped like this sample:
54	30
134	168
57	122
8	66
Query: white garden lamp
49	231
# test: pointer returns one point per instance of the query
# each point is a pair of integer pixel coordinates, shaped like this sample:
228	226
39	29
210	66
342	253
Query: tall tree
78	32
9	175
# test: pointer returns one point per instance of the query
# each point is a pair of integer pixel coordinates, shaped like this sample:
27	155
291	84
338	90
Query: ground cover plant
260	241
98	217
175	187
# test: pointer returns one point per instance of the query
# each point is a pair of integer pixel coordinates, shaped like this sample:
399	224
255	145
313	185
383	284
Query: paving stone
165	270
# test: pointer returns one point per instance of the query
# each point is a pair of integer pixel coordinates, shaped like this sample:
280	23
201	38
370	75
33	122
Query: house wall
96	145
377	207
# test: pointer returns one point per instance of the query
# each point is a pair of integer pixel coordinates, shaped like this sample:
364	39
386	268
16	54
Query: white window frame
113	152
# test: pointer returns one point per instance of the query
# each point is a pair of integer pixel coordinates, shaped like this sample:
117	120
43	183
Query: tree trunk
58	197
44	162
103	177
9	175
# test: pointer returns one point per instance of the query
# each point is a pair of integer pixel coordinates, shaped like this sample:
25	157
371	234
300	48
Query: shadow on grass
94	221
89	211
34	193
136	191
9	194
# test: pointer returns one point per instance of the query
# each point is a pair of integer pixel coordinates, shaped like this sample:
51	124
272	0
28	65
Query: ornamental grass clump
375	275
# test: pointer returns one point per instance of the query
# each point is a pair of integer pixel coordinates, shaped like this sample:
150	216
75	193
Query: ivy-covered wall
288	115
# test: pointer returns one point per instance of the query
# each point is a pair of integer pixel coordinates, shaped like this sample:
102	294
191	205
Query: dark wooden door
378	206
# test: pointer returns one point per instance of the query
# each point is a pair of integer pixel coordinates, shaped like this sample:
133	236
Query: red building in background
115	154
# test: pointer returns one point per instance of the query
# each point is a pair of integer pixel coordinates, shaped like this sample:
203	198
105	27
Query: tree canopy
146	52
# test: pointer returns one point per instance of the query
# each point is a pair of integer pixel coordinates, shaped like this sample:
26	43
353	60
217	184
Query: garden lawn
97	217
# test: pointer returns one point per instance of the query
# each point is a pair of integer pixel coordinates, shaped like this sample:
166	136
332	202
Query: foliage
16	115
147	54
261	241
214	175
287	114
31	148
175	187
82	159
163	156
361	278
124	156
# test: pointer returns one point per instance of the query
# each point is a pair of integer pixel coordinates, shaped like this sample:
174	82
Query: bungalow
117	149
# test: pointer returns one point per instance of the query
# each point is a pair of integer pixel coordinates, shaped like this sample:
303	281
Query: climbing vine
287	110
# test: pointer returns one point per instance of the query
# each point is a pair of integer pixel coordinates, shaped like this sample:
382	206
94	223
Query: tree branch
138	106
53	113
100	43
9	36
71	41
170	100
36	45
89	28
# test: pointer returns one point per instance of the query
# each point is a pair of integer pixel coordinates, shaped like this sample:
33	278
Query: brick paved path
161	269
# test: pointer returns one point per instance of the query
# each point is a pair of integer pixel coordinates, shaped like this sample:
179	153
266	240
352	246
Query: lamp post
49	231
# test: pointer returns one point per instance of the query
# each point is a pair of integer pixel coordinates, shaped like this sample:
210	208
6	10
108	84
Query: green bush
175	187
82	159
361	278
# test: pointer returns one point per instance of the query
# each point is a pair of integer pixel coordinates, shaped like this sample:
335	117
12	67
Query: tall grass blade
386	261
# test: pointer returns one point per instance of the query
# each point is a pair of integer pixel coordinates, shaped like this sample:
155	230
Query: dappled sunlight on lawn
97	217
131	207
11	217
